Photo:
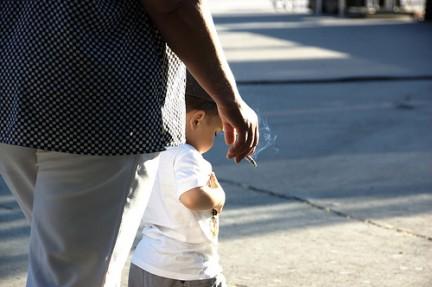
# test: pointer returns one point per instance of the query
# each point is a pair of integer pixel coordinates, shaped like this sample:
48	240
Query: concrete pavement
344	195
287	48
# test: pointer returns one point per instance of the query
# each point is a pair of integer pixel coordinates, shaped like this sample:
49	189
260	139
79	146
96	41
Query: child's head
202	118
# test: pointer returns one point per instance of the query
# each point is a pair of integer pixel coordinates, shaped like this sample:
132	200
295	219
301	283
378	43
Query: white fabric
177	242
84	212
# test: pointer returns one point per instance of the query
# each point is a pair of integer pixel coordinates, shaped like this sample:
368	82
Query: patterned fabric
87	77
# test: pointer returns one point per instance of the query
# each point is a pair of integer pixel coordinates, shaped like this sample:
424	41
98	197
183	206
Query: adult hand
241	130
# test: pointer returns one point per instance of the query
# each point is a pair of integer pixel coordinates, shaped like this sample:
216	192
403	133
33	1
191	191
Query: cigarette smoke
267	139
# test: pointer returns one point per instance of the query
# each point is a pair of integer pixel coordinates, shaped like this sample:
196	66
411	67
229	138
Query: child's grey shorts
141	278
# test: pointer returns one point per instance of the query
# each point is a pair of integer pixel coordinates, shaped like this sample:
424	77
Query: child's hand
214	184
213	181
206	197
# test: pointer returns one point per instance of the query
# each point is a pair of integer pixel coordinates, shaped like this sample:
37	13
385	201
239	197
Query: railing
369	7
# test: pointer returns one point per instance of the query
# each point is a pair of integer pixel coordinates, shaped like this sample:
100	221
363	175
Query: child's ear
197	118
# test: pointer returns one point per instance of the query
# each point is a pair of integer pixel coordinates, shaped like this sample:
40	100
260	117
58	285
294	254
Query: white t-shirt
177	242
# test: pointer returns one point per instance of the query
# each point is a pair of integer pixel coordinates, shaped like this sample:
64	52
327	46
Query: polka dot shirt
87	77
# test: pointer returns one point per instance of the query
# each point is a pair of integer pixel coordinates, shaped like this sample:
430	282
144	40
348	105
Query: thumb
229	134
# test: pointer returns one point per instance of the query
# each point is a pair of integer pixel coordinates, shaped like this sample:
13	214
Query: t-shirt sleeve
191	170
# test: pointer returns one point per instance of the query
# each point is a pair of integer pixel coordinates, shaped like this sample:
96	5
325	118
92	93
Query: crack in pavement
325	208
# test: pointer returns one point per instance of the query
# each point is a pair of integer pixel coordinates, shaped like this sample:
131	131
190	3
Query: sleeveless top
87	77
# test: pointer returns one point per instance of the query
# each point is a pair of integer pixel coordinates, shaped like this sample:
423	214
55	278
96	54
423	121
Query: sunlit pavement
343	197
343	194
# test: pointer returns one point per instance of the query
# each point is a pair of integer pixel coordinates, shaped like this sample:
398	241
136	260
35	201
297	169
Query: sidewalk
281	47
344	196
343	199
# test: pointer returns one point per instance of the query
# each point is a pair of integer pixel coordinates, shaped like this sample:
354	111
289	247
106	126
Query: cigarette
251	160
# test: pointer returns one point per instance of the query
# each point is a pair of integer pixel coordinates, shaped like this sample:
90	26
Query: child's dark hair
196	98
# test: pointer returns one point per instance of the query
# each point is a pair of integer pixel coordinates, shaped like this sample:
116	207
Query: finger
252	141
252	152
239	146
248	146
256	138
250	137
229	134
241	156
255	141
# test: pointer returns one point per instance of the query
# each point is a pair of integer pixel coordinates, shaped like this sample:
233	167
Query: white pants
84	212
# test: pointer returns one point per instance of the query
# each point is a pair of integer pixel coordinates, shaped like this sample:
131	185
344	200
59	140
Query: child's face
202	128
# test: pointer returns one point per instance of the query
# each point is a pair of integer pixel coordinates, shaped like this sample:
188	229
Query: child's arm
207	197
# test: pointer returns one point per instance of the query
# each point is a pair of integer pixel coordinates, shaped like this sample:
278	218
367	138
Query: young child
180	235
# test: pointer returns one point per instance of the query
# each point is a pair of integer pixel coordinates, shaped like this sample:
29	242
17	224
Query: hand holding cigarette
241	129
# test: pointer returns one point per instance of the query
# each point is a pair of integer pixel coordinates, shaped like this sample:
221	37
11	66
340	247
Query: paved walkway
344	197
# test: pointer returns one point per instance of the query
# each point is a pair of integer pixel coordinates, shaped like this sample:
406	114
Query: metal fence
343	7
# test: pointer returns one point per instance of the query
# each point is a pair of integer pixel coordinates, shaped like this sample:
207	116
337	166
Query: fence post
341	8
318	7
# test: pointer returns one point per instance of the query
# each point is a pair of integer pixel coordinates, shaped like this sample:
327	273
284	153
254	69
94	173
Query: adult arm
188	29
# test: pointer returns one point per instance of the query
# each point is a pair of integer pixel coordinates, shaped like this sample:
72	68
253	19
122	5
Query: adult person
90	92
